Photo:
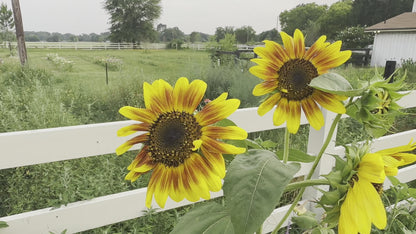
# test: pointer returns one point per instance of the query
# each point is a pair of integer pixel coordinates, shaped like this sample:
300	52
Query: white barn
395	39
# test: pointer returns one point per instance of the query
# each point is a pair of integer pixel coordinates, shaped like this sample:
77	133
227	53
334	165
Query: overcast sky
88	16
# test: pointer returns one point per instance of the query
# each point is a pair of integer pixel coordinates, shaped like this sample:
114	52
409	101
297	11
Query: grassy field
68	87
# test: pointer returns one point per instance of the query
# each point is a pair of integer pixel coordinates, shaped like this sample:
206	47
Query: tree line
133	21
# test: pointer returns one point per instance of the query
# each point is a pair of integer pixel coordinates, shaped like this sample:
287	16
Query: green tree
132	20
170	34
300	16
245	34
336	18
369	12
195	37
6	24
220	32
272	35
355	37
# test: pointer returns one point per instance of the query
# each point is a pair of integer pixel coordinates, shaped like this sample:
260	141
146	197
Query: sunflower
287	72
362	205
397	156
181	147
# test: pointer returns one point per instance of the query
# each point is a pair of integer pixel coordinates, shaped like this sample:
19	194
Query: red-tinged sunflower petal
326	54
405	158
329	101
265	87
280	54
215	146
272	52
206	173
315	48
142	115
313	113
293	120
299	44
371	168
288	44
128	144
216	111
229	132
128	130
281	113
141	157
216	161
267	63
158	96
370	203
144	165
132	176
181	87
191	97
177	190
195	176
342	57
161	191
268	104
265	73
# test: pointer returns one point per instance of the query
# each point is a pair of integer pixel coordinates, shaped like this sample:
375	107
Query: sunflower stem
315	164
260	230
286	146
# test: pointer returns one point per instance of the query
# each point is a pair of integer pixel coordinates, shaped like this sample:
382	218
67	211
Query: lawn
73	90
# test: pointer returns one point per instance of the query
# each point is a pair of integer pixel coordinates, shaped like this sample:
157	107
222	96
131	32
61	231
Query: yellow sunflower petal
329	101
216	161
128	144
404	148
348	222
217	110
342	57
288	44
371	168
132	176
293	121
313	113
281	113
158	96
161	174
128	130
265	73
326	54
370	203
270	64
215	146
194	95
133	113
268	104
315	48
265	87
229	132
181	87
299	44
272	52
363	219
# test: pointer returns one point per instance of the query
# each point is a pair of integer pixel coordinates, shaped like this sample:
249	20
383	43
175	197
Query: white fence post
315	142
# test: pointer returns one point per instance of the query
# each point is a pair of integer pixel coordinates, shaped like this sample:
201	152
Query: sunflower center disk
294	77
171	137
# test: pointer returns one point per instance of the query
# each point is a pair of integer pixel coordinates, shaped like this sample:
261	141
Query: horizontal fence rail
64	143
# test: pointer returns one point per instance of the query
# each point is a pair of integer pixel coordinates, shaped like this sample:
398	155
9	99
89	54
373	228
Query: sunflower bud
377	109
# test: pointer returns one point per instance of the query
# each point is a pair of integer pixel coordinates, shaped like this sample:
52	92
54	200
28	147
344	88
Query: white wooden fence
65	143
88	45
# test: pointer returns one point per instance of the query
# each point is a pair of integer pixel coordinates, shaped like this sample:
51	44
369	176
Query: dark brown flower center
294	77
171	137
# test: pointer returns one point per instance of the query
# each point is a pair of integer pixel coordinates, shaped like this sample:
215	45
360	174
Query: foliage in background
300	16
111	62
355	37
132	20
60	62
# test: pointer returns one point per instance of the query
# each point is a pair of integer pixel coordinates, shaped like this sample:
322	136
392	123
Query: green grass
44	94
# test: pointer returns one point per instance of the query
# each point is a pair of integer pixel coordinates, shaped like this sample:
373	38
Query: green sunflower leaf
335	84
207	218
296	156
253	186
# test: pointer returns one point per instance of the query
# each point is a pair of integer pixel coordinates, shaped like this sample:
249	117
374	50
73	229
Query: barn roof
402	22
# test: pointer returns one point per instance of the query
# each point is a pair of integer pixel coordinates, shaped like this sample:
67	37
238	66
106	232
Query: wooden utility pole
18	23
